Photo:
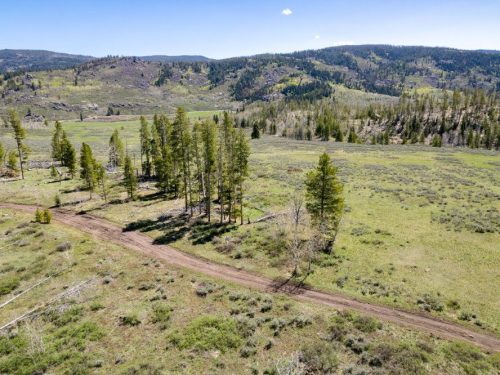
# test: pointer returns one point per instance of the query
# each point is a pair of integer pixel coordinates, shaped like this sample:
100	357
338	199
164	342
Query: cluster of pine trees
459	118
197	162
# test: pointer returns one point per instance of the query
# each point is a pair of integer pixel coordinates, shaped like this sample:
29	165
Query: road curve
105	230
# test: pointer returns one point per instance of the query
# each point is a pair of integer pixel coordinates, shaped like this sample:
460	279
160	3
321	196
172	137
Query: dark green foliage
324	199
129	178
255	131
88	168
116	150
166	72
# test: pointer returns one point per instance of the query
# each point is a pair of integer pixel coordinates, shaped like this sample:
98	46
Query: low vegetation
120	322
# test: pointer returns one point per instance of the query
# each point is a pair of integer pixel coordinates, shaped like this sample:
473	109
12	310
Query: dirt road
107	231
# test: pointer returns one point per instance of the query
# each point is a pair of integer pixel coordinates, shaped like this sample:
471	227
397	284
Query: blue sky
223	28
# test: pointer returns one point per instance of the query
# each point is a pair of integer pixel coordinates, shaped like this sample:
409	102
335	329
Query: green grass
141	315
419	232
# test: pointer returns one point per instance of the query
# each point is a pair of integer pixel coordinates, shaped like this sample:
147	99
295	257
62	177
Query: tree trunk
20	152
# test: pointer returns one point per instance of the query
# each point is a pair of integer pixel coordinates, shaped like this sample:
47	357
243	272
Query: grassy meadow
420	230
105	309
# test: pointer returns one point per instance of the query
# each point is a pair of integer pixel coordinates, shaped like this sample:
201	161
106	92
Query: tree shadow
289	285
203	232
152	197
175	227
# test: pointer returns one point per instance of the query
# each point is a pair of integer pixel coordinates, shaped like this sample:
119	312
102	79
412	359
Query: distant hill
158	83
33	60
180	58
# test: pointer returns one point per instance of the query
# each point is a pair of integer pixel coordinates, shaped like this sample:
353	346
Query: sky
227	28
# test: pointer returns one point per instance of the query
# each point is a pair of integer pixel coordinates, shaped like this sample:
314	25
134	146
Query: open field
419	232
138	315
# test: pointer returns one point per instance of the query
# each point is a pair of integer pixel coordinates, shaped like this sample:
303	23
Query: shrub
57	200
38	216
8	284
64	246
47	216
366	324
161	315
208	333
357	344
205	288
300	321
319	357
129	320
247	351
398	359
428	303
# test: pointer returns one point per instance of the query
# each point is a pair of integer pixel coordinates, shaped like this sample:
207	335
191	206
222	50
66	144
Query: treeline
468	118
458	118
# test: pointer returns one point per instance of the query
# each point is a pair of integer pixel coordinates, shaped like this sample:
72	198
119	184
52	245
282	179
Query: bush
319	357
398	359
38	216
129	320
96	306
57	200
47	216
300	321
64	246
208	333
8	284
366	324
428	303
161	315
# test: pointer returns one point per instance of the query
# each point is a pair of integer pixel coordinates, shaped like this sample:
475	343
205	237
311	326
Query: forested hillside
136	85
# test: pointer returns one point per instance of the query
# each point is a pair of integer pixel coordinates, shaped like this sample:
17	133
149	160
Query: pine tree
255	131
352	137
208	138
19	136
242	153
145	147
68	155
102	179
324	199
229	174
129	178
57	142
197	152
87	171
181	140
116	150
12	161
166	165
436	141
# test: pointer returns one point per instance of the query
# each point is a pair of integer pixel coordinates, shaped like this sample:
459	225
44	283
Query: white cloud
317	37
286	12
